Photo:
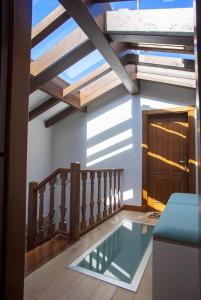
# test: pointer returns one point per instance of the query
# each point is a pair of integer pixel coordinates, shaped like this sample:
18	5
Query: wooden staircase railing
92	197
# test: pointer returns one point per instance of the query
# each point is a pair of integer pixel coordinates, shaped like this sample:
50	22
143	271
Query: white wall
116	119
39	154
39	162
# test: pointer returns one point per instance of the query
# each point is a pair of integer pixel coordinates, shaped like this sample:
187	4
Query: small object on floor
155	215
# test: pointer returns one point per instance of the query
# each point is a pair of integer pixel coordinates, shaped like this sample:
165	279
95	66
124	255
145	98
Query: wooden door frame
15	45
191	111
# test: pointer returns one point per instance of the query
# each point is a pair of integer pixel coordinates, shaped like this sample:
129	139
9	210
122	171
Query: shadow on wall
113	137
109	135
110	139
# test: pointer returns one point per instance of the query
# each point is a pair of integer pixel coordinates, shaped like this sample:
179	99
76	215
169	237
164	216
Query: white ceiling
39	97
53	111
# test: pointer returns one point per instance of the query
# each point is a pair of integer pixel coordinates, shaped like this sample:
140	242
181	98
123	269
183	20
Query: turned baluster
84	206
62	223
40	235
119	189
110	194
91	219
51	214
32	215
115	191
105	194
99	174
75	201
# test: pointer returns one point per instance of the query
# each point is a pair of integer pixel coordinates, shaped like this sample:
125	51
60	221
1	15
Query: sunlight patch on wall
111	118
128	195
109	155
109	142
156	104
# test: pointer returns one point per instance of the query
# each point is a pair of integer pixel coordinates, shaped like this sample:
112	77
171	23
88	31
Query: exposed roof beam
146	28
175	77
99	72
50	23
167	79
80	13
43	108
64	47
162	48
165	71
60	116
71	49
99	87
60	65
162	62
173	21
55	89
154	38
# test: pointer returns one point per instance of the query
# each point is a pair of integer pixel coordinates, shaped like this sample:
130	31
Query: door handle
182	162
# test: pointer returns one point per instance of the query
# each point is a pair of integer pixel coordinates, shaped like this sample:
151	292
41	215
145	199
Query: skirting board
141	208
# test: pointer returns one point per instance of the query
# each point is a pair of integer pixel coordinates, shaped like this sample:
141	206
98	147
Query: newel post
32	216
75	201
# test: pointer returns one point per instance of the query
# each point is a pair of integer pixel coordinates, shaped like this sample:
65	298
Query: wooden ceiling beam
175	21
68	51
99	87
155	38
60	116
168	72
55	88
185	82
162	48
47	25
145	28
168	76
82	16
43	108
54	54
99	72
60	65
162	62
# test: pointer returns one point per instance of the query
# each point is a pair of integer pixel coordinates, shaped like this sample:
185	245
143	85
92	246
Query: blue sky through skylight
41	8
166	54
152	4
83	67
55	37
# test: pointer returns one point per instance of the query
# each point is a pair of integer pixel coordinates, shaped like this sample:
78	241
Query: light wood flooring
54	281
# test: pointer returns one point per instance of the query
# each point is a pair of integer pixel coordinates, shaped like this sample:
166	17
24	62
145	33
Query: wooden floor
40	255
54	281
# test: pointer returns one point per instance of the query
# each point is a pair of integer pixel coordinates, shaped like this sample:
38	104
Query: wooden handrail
101	170
62	170
104	184
51	176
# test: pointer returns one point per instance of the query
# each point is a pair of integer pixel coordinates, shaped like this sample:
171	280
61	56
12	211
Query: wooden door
167	157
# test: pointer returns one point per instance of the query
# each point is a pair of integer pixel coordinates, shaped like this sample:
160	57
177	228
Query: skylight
83	67
164	54
42	8
157	4
148	4
124	4
53	38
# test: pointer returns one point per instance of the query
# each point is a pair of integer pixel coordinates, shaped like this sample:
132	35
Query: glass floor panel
120	257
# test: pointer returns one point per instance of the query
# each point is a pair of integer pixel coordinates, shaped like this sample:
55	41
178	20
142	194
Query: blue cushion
179	223
184	198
